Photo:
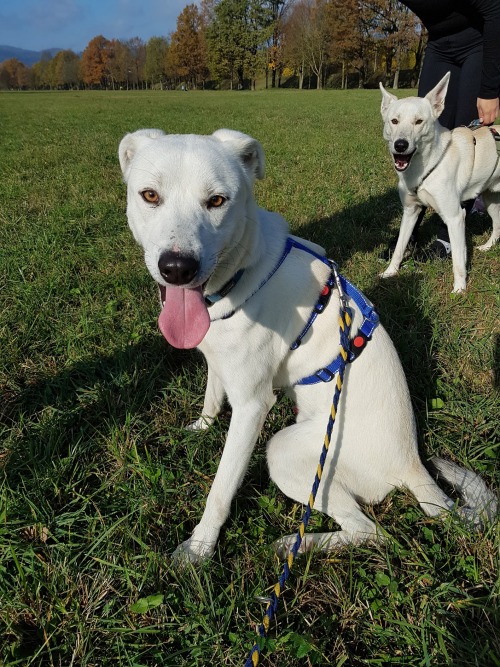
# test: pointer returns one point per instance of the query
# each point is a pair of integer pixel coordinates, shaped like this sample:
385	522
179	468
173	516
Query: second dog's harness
335	281
475	125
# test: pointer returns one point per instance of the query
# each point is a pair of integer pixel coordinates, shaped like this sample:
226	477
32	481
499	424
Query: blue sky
71	24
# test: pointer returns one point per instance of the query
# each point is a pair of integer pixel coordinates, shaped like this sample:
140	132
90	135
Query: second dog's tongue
184	318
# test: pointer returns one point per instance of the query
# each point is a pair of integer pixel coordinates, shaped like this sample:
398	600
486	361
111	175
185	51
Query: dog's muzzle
401	157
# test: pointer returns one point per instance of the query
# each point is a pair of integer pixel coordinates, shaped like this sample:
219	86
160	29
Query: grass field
99	481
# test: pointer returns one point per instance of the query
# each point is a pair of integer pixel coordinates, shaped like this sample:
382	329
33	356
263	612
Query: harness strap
476	125
496	137
429	172
320	306
365	331
213	298
358	343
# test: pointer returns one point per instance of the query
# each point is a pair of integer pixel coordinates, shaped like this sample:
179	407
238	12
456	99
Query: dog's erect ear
387	99
248	150
437	95
131	143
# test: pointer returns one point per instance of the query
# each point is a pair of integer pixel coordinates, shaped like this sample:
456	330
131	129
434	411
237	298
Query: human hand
487	110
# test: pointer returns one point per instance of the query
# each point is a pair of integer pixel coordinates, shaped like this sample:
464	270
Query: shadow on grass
52	413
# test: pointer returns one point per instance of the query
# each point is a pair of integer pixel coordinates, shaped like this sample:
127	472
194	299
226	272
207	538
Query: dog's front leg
246	422
214	399
410	215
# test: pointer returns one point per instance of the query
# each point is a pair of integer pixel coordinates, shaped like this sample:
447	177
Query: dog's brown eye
419	121
151	196
394	121
216	201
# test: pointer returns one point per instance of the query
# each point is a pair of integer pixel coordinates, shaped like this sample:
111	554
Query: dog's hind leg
212	404
356	528
492	203
456	230
292	466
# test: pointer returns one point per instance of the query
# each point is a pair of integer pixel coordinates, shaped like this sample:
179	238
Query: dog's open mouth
402	162
184	319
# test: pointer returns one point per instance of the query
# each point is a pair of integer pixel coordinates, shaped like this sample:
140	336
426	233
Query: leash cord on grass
345	321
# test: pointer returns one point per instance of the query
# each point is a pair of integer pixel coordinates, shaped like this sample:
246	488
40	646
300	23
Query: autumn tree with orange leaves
95	61
14	75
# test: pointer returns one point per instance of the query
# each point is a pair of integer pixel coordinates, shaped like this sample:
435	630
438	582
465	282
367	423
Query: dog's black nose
401	146
177	269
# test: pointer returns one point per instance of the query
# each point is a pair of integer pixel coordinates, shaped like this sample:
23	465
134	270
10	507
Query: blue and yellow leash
345	322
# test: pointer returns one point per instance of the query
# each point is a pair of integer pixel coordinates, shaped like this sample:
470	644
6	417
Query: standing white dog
439	168
236	285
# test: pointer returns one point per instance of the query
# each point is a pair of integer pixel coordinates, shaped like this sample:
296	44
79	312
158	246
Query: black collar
210	299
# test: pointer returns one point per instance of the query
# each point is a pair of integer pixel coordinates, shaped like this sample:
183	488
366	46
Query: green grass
99	480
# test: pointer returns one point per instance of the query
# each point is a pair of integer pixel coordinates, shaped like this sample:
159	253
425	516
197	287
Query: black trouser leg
419	220
442	234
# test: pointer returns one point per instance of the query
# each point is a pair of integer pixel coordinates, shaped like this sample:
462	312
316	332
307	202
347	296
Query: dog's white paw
388	273
458	288
192	551
201	424
283	546
486	246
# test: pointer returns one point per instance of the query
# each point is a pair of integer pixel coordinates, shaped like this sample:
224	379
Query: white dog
236	285
439	168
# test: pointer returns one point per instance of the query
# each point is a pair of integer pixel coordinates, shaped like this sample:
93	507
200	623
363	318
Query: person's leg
470	57
443	58
438	60
468	89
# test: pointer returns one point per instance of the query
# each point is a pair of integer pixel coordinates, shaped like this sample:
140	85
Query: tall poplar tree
187	52
156	56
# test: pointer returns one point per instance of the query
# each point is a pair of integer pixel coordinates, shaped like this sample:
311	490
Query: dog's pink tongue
184	318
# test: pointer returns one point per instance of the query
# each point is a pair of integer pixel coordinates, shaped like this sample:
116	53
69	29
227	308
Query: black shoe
438	249
386	255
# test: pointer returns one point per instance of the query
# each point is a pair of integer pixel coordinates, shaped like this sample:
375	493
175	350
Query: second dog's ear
249	150
387	99
131	143
438	94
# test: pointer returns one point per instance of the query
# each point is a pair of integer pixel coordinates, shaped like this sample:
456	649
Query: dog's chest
254	343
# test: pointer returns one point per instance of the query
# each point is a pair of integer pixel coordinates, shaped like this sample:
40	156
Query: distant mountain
24	55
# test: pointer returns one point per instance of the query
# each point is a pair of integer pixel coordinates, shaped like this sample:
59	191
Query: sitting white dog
234	284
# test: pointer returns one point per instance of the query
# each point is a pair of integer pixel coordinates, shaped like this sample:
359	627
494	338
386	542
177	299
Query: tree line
233	43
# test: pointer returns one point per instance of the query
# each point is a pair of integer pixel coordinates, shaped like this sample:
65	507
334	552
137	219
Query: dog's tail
480	503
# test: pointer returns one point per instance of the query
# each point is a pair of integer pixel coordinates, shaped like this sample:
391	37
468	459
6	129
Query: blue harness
365	331
335	281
